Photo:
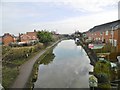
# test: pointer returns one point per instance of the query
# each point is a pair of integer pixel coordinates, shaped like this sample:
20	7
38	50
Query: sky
62	16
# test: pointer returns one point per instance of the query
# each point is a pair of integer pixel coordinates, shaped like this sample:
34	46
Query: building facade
106	33
8	38
29	36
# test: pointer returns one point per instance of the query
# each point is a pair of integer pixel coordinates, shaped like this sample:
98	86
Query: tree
44	36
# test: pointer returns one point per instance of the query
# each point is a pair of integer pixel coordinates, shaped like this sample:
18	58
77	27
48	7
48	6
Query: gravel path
26	69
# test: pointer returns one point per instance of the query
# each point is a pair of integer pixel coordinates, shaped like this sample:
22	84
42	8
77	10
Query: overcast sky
63	16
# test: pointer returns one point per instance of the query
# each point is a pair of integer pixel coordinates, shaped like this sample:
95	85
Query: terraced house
106	33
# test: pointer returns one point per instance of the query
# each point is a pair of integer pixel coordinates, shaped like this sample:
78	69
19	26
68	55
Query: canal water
69	68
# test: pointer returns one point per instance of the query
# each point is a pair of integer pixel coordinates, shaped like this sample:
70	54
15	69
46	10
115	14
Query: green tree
44	36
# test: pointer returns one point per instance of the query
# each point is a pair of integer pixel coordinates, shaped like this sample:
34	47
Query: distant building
107	33
28	36
8	38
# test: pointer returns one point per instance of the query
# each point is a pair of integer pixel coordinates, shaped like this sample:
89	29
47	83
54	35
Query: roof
25	35
31	33
8	34
107	26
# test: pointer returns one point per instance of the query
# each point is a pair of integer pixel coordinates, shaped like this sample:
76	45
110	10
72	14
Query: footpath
26	69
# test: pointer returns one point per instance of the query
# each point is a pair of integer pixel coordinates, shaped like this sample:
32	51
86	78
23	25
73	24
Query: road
26	69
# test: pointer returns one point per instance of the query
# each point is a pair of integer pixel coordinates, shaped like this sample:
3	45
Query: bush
44	36
20	53
13	58
38	47
15	54
5	49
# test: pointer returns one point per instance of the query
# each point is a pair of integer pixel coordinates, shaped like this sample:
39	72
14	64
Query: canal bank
34	74
91	54
69	68
26	69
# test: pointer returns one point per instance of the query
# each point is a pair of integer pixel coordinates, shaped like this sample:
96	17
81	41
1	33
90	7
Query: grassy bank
13	58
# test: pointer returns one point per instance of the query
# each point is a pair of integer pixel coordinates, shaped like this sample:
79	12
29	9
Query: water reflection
48	58
69	68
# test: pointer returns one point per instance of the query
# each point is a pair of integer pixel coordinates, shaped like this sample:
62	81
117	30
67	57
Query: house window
110	40
90	38
112	32
115	43
101	33
106	32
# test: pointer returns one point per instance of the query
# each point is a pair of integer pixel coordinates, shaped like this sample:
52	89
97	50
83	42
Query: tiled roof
106	26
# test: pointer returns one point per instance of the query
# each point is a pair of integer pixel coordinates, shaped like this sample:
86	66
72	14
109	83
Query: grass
10	68
9	75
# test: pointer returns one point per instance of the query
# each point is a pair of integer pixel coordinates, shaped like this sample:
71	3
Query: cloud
94	12
82	24
91	5
82	5
19	10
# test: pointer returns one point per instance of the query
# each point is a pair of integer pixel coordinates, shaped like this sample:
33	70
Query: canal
69	68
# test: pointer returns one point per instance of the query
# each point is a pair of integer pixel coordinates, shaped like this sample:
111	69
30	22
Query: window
101	33
115	43
106	32
110	40
112	32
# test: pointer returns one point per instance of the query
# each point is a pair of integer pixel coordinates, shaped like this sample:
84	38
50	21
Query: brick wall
7	39
24	38
118	44
107	36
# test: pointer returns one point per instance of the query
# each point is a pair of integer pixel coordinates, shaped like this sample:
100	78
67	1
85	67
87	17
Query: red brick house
108	33
28	36
24	38
8	38
33	35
